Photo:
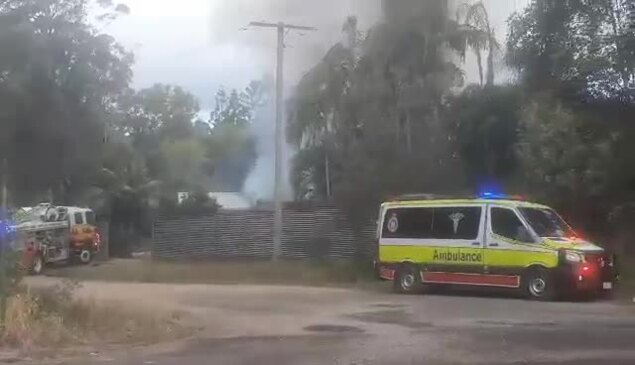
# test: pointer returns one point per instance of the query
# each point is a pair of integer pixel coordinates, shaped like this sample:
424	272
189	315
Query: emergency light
491	195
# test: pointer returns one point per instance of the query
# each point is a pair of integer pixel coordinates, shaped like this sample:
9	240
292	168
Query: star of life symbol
456	220
393	223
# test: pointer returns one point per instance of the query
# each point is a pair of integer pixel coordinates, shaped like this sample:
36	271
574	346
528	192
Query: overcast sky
198	44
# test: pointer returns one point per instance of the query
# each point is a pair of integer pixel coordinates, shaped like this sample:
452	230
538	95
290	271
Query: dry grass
336	273
53	318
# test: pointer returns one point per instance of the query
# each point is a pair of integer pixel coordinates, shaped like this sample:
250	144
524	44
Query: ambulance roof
454	202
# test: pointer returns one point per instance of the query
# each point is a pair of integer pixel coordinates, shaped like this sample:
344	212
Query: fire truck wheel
85	257
38	264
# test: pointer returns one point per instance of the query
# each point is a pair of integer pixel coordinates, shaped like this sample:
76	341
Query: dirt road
300	325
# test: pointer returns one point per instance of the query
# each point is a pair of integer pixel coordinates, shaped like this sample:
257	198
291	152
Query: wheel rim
407	281
37	264
85	256
537	286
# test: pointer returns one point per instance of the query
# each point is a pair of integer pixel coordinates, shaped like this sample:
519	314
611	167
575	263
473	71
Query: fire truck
47	234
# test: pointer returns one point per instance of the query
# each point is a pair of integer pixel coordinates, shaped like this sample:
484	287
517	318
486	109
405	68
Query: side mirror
523	235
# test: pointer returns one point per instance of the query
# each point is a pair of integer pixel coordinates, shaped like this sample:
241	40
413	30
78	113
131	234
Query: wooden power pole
279	138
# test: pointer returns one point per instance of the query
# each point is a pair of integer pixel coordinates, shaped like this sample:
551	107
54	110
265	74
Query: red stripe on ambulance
471	279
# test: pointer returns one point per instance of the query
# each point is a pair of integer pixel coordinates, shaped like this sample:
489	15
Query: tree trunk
479	62
490	65
327	175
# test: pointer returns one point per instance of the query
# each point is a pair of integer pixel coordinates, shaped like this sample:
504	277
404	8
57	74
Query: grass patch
52	317
223	272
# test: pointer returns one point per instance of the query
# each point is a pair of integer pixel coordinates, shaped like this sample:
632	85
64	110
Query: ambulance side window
408	223
507	224
457	223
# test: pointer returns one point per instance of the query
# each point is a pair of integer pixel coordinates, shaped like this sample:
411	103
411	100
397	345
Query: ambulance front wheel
407	280
538	284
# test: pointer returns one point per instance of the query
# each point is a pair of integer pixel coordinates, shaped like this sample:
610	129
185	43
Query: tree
156	116
562	156
56	91
151	154
581	49
182	164
232	155
367	119
315	113
230	146
567	160
576	60
485	124
479	35
165	111
234	109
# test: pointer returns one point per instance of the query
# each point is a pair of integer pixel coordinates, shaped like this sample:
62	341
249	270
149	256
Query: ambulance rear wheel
538	284
407	280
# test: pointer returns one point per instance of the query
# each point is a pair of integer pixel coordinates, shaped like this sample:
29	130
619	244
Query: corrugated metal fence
319	232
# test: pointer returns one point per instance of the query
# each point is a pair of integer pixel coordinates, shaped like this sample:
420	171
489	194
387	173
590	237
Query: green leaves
58	82
235	108
484	123
367	118
584	48
561	157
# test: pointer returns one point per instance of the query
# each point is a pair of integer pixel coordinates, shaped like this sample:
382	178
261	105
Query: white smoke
302	51
260	182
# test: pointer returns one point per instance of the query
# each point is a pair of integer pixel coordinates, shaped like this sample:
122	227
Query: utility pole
279	138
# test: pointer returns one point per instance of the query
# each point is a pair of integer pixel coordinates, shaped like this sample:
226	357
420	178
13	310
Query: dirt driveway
301	325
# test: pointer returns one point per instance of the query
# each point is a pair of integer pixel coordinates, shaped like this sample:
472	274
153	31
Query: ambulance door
510	246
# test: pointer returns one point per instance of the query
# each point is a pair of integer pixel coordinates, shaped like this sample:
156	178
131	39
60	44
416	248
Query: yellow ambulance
491	240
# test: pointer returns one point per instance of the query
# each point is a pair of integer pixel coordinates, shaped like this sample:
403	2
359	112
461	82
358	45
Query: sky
199	44
202	45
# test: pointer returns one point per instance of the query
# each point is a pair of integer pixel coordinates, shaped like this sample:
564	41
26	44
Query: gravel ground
260	324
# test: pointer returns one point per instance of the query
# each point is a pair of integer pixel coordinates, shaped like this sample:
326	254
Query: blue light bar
491	195
494	196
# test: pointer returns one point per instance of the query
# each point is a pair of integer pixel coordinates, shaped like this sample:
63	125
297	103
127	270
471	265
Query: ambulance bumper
598	274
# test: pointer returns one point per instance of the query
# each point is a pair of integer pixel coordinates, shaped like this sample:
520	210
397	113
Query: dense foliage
385	112
73	131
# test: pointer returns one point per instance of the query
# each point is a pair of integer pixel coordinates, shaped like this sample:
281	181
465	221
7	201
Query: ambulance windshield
546	222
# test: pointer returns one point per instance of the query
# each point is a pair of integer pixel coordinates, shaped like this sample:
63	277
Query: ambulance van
492	241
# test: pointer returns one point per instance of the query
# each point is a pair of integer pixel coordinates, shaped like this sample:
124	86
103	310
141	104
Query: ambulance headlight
572	256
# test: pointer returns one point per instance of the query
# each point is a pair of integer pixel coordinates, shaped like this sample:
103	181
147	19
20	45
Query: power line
279	140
